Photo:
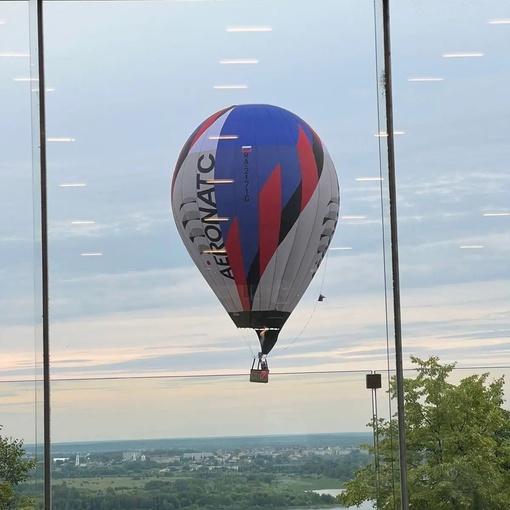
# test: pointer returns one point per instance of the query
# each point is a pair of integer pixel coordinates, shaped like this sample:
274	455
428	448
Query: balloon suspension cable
311	315
246	338
261	360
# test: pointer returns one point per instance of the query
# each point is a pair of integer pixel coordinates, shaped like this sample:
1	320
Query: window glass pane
130	83
453	179
20	304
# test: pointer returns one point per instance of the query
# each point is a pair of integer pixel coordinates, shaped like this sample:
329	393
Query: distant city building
60	460
128	456
165	459
197	456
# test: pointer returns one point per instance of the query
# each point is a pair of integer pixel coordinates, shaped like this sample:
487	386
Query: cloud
349	333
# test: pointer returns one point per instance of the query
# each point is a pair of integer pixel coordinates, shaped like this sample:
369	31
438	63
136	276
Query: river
367	505
364	506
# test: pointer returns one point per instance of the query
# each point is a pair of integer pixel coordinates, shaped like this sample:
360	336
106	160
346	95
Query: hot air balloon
255	198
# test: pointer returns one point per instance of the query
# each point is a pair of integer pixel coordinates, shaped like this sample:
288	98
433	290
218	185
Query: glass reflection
127	83
140	307
21	405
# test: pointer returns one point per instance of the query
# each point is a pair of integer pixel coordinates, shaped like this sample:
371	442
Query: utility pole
37	64
392	185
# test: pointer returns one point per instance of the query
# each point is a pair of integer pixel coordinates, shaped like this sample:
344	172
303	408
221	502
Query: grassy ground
309	483
102	483
129	482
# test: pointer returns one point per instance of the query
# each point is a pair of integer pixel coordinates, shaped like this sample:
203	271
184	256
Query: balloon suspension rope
311	315
245	335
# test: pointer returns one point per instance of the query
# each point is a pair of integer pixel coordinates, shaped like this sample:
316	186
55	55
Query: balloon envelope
255	198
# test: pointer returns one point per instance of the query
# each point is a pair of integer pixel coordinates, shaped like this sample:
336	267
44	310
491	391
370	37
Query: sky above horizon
128	82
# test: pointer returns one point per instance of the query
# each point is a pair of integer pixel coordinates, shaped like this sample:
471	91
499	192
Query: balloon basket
259	376
260	373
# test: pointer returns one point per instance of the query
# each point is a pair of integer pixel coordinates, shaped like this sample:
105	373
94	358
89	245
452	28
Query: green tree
458	445
14	469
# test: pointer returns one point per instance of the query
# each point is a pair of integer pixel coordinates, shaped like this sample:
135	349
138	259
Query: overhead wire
234	374
180	376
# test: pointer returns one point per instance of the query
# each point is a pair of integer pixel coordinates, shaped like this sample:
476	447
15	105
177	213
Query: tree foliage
458	445
14	469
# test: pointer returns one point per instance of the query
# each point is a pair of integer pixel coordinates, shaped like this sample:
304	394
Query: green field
104	482
297	483
308	483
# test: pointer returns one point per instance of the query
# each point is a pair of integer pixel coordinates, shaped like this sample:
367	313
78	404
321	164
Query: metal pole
375	427
44	260
394	255
374	382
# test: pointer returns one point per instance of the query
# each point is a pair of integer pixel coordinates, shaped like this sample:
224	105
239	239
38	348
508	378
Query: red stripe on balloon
270	206
208	123
309	171
235	257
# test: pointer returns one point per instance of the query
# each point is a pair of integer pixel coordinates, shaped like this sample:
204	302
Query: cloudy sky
128	82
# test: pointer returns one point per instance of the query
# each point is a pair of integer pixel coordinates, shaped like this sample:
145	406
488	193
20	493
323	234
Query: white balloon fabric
255	198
